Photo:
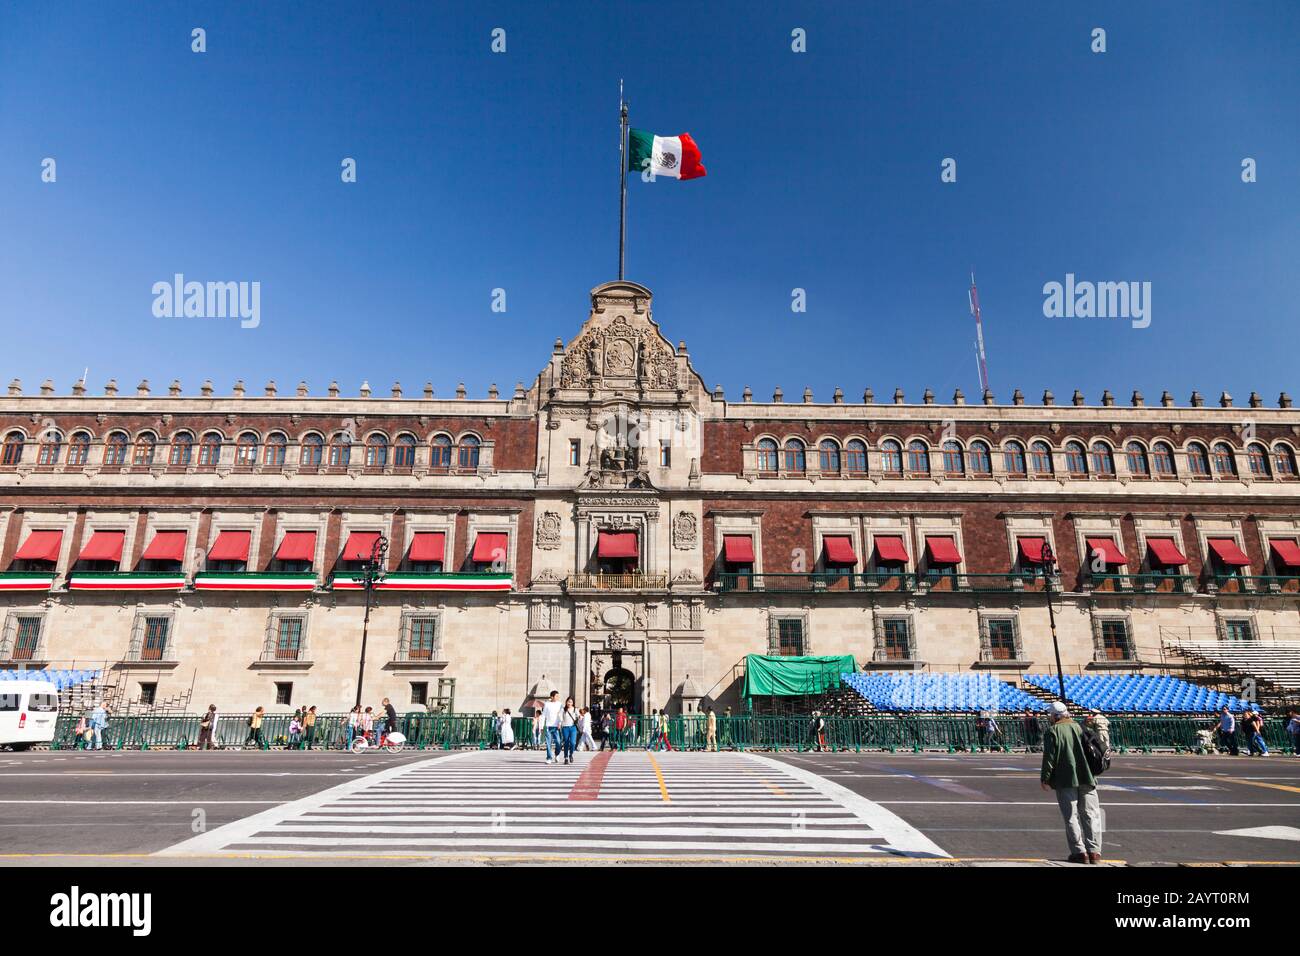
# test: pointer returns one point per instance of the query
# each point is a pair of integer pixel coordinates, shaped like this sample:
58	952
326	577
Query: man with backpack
1072	759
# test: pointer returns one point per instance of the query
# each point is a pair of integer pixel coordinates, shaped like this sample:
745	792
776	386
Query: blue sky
479	171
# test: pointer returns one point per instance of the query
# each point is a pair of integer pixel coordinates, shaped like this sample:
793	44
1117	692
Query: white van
29	710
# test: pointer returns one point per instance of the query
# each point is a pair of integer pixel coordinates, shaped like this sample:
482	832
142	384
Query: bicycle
394	743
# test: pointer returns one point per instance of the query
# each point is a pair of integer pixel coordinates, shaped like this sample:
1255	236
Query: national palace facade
619	531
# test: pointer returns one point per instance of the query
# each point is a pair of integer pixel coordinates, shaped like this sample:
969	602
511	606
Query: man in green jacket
1066	770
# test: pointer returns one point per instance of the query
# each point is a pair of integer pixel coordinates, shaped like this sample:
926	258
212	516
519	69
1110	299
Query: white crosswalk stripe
631	805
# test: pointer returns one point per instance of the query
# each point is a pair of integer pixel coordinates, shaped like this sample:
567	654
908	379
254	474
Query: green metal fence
881	732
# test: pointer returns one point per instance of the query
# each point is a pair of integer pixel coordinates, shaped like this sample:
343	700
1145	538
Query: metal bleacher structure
83	685
1268	664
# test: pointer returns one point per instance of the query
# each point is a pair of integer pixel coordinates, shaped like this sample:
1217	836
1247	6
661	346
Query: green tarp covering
769	675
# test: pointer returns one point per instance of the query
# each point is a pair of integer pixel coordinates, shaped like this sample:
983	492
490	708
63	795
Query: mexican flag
676	157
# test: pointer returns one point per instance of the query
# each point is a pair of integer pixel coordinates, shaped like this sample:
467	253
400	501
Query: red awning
40	546
1287	551
1229	552
1108	549
943	549
890	548
297	546
103	546
1166	552
428	546
166	546
1031	549
360	545
738	549
617	544
839	549
489	547
231	546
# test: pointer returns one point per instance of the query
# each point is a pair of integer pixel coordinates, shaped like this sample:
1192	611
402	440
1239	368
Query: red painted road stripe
587	786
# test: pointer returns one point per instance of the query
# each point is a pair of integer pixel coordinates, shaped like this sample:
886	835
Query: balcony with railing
1257	585
1140	583
882	580
623	581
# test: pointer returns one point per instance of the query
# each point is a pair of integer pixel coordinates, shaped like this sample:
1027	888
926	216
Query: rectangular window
1238	629
1114	639
419	692
896	633
27	638
148	693
665	455
424	635
575	451
155	638
789	633
284	692
288	639
1001	638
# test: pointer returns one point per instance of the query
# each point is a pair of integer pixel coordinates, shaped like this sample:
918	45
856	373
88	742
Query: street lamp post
1049	569
372	572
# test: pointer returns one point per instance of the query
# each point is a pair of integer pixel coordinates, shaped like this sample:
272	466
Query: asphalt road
122	807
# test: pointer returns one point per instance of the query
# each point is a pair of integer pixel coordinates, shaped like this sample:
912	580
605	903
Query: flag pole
622	178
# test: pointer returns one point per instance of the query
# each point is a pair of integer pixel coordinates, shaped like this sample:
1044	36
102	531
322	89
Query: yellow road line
767	783
663	789
1222	777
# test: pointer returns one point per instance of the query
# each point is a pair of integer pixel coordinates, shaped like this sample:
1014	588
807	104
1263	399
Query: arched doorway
618	689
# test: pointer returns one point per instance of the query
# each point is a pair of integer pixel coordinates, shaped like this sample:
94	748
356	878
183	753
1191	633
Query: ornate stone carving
619	352
591	616
548	530
685	531
686	577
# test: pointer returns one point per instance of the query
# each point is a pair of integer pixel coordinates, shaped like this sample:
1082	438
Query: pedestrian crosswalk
627	805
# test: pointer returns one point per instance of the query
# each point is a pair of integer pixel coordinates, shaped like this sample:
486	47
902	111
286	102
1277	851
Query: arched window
981	461
1103	459
794	455
182	448
79	449
340	450
1162	460
12	452
1013	459
891	457
273	453
954	460
918	457
145	445
855	457
441	452
1136	456
1225	464
376	451
1258	461
210	449
1076	461
404	452
50	448
1198	460
1040	454
115	449
1283	461
310	452
246	450
829	455
468	455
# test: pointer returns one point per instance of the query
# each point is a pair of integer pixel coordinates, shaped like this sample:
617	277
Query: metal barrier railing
879	732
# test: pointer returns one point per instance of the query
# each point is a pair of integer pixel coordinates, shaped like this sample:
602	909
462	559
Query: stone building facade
620	531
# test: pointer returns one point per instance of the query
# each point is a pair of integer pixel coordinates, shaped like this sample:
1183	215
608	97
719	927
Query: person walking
506	730
982	729
207	727
309	725
1100	725
368	725
620	729
569	720
653	742
80	733
495	723
255	728
390	718
1065	770
551	726
97	723
586	741
606	731
711	731
663	730
1253	724
817	732
1228	730
1293	730
1033	733
353	725
295	730
538	727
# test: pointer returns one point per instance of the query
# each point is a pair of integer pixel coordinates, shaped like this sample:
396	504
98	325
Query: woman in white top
585	741
507	730
354	724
